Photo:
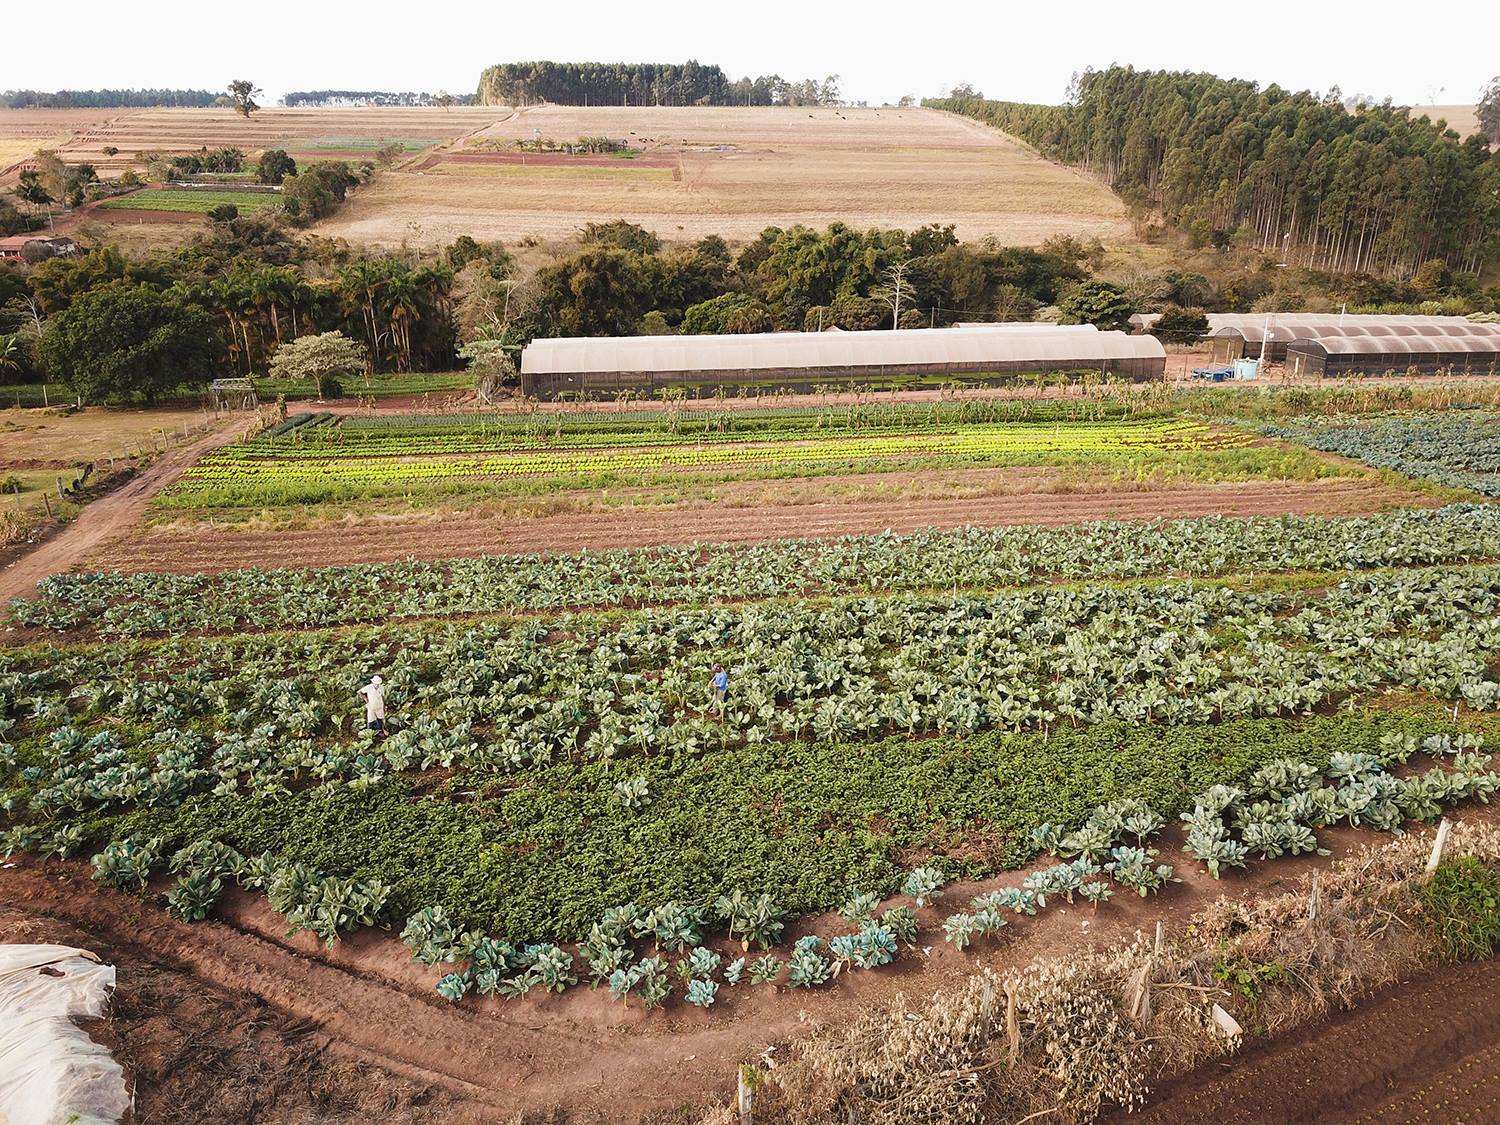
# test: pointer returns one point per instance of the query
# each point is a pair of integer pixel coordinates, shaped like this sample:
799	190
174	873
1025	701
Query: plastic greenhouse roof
1399	345
779	350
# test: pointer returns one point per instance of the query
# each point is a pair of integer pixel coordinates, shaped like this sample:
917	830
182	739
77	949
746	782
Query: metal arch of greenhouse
1376	355
800	360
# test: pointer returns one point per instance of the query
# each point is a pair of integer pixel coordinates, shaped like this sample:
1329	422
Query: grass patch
1461	903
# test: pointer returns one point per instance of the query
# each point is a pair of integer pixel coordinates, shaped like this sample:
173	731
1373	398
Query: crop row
1459	449
588	765
142	604
677	420
245	468
1275	812
320	444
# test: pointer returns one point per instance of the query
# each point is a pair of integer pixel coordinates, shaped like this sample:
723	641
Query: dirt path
109	518
193	551
1426	1050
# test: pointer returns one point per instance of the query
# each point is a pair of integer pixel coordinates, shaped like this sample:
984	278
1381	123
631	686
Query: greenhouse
799	361
1231	342
1379	355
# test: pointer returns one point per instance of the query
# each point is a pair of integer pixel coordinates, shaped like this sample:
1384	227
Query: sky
1017	52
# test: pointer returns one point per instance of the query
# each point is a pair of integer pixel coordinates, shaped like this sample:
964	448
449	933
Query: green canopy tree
1097	302
242	94
130	341
319	359
1180	326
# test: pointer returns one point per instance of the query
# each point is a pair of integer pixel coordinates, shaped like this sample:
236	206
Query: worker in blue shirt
721	687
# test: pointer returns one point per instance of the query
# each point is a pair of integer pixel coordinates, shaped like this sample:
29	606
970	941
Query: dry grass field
1461	118
732	172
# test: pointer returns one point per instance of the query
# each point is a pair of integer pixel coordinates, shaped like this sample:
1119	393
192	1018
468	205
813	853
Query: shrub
1462	904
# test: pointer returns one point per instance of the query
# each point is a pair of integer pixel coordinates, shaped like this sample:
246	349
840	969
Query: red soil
367	1003
194	551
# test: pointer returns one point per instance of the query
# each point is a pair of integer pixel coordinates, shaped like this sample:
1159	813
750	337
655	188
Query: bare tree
895	290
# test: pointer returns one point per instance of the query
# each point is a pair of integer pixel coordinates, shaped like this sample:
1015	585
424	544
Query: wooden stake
1012	1022
745	1098
47	500
1438	845
1315	898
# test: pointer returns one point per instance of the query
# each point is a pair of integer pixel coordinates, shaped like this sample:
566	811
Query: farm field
307	134
315	458
731	172
1464	119
940	750
193	202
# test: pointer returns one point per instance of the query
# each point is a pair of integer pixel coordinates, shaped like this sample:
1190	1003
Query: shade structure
1379	355
799	360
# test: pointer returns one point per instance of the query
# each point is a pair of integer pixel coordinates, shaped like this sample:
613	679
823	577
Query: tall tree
242	93
1488	110
130	341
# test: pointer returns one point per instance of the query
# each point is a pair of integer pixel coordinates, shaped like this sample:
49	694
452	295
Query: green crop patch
190	201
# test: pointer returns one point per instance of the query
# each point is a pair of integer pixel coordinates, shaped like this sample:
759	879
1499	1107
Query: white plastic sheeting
821	351
51	1072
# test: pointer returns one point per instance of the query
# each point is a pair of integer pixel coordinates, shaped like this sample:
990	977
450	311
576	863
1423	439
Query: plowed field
1427	1050
207	550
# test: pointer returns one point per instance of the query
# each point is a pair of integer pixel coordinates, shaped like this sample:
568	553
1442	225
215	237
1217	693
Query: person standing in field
373	694
720	683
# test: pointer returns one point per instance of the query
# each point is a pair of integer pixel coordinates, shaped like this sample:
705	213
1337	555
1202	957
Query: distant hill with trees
1372	191
677	84
105	99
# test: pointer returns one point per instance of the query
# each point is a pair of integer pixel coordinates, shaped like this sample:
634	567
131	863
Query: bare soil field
192	550
362	1023
116	515
1426	1050
308	134
734	172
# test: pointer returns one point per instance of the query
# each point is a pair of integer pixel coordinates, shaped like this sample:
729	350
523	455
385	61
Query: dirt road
194	550
110	517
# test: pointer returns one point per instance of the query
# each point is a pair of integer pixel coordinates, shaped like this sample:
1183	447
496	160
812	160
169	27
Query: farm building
799	360
35	247
1234	341
1376	355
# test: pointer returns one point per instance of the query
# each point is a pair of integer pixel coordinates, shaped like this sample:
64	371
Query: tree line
106	99
673	84
442	99
1373	191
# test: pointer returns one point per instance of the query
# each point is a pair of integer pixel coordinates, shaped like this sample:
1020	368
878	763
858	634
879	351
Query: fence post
47	500
1012	1023
1315	897
1438	846
745	1098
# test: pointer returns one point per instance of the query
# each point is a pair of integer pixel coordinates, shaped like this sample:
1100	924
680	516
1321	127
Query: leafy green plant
1461	904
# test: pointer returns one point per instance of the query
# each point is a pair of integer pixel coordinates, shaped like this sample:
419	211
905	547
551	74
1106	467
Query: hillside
732	172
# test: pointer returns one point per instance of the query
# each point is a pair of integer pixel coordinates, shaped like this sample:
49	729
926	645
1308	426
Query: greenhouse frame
1379	355
799	361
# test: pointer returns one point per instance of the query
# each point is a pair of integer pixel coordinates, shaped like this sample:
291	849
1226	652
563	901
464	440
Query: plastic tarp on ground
51	1072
